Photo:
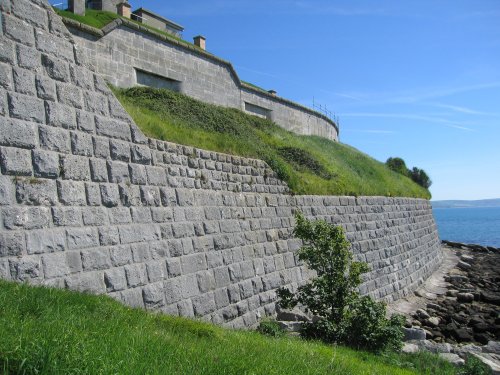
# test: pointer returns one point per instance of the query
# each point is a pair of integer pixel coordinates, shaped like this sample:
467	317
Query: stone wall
124	47
88	203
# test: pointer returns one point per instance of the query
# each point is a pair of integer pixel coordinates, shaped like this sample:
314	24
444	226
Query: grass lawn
49	331
309	164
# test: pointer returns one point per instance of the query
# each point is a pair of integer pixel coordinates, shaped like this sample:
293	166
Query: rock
435	347
433	321
294	315
462	335
481	327
482	338
291	326
410	348
467	258
452	358
490	360
428	334
464	266
466	349
492	347
465	297
433	306
413	334
490	298
457	278
421	313
452	293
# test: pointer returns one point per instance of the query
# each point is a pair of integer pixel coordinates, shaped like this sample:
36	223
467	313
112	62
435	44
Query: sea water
469	225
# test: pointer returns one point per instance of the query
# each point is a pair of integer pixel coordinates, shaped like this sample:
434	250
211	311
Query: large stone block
11	244
45	164
26	107
26	217
54	139
112	128
89	282
75	168
71	193
37	192
18	30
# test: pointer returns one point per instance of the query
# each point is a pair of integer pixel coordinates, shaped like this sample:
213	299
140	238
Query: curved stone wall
124	51
88	203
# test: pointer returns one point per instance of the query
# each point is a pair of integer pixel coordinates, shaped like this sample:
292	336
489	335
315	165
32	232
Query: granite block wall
122	50
87	202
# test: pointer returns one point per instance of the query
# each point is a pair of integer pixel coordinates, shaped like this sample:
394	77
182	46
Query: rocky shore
456	312
464	318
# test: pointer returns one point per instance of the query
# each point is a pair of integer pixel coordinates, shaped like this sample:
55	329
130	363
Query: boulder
291	326
465	297
413	334
421	313
462	335
433	321
492	347
452	358
410	348
295	315
489	297
490	360
464	265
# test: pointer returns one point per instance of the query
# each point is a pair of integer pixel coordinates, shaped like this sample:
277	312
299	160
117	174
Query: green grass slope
309	164
49	331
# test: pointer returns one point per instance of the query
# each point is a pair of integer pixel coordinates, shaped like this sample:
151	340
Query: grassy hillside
310	164
48	331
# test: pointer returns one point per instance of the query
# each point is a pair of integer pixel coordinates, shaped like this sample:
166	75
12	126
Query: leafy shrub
343	315
418	175
397	165
270	328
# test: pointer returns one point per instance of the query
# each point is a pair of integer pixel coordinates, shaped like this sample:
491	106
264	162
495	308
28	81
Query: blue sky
414	79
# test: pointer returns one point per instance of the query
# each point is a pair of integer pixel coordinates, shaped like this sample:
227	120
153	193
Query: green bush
343	315
398	165
419	176
270	328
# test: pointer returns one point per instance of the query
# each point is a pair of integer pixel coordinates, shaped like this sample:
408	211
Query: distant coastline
482	203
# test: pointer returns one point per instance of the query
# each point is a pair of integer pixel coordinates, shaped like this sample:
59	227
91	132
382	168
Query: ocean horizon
472	225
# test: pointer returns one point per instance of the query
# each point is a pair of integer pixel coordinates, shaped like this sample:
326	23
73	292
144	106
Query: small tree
397	165
343	316
420	177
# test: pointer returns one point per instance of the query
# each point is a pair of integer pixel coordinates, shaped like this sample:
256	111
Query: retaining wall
124	48
87	202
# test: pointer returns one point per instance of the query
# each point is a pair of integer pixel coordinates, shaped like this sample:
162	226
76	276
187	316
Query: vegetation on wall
50	331
419	176
309	164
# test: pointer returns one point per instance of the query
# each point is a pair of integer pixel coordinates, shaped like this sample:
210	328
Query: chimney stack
200	41
124	9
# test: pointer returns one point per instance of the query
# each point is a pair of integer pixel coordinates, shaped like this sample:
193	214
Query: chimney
124	9
272	92
77	7
200	41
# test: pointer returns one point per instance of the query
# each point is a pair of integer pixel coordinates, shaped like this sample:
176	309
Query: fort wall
87	202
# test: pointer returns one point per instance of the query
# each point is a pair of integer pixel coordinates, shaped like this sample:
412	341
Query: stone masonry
87	202
123	50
